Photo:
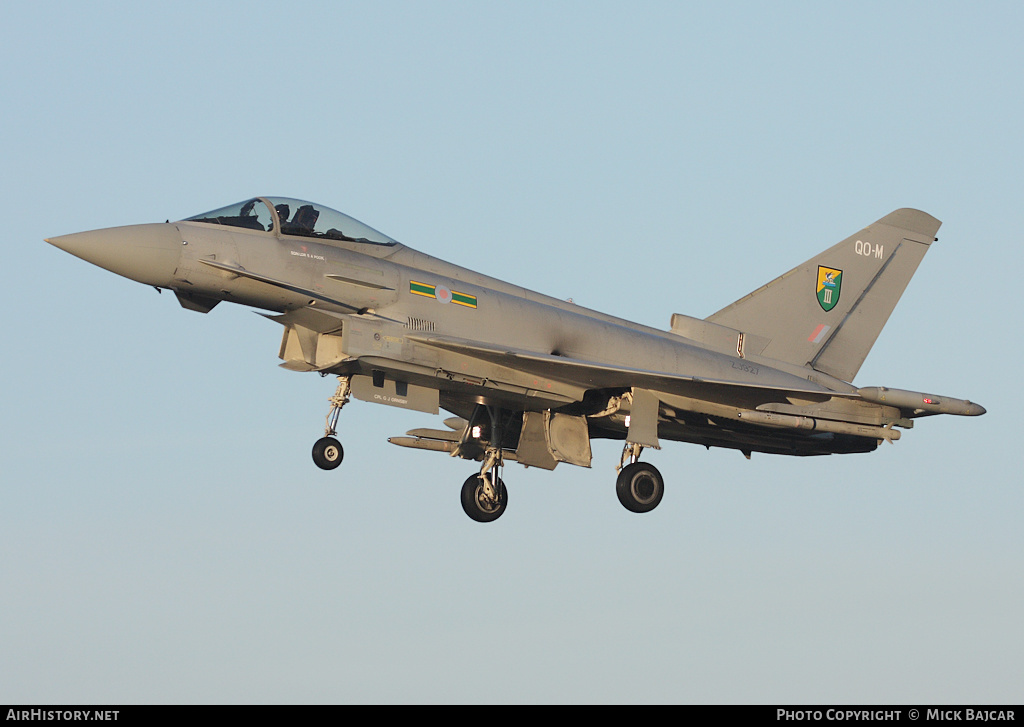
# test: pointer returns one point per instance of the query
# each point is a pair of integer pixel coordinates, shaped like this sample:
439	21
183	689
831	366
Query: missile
434	434
415	443
789	421
437	446
920	402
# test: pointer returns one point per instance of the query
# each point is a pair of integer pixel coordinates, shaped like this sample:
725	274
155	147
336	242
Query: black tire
640	487
328	453
477	506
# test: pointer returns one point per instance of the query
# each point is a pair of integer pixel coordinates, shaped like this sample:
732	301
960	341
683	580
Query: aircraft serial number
868	250
746	367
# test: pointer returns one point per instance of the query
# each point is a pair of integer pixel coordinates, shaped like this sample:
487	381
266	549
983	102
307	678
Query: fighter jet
533	379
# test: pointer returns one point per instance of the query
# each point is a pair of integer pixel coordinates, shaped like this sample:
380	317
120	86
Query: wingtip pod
919	402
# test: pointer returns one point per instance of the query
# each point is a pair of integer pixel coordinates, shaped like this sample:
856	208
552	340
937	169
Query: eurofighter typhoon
532	379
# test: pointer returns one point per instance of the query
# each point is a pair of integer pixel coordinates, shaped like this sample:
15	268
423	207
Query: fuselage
379	282
354	301
533	378
394	290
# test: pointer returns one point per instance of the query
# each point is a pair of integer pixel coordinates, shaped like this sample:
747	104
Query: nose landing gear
328	452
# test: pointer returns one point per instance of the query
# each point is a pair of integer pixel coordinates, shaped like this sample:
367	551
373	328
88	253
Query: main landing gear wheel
478	504
640	487
327	453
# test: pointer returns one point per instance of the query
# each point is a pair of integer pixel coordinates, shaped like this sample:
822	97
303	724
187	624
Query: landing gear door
568	438
643	419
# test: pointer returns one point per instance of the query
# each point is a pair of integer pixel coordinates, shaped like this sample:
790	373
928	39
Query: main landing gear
639	485
328	452
484	497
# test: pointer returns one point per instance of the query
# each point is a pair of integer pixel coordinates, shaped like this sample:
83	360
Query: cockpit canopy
294	217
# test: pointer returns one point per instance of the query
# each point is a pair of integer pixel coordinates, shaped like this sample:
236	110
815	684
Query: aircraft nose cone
146	253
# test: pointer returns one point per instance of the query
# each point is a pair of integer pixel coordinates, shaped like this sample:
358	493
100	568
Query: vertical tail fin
828	312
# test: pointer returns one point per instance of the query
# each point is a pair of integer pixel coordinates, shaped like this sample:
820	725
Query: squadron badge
830	281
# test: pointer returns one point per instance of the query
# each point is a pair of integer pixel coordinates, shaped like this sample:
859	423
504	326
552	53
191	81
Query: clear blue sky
164	536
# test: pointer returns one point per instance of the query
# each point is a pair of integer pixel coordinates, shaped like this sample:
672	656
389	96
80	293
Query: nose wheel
328	453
